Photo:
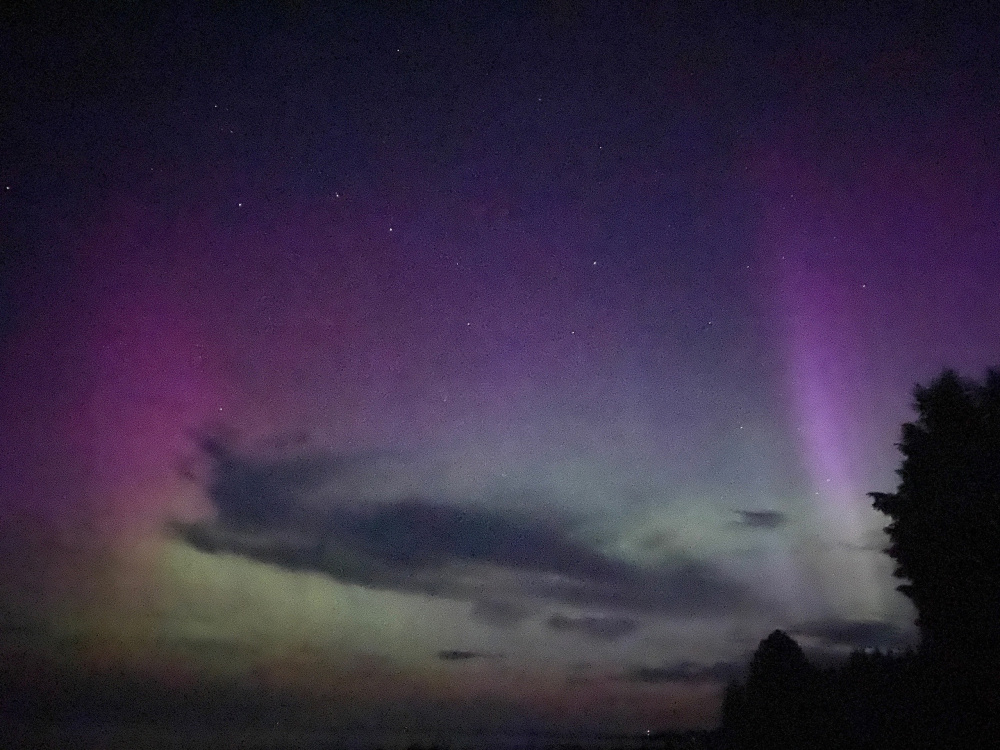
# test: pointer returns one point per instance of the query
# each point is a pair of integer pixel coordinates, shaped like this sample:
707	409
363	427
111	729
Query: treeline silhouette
944	535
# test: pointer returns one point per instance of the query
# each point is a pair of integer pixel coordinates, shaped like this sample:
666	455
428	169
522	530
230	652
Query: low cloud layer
687	672
855	633
607	628
762	519
292	511
458	655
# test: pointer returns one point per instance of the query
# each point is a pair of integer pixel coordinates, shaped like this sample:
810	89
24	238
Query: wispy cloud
687	672
466	655
855	633
602	627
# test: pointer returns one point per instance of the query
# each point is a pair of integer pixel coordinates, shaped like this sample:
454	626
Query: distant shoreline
137	736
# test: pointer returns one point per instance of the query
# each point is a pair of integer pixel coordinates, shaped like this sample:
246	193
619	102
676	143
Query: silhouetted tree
778	660
880	702
945	531
945	539
777	705
871	701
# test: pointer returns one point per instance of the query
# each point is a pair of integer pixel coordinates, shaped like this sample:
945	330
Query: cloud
286	484
466	655
418	533
689	587
762	519
246	491
855	633
687	672
299	491
601	627
293	511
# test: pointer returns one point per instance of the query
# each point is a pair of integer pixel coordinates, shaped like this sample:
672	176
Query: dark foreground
136	737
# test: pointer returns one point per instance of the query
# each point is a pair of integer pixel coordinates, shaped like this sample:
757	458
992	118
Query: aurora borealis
477	369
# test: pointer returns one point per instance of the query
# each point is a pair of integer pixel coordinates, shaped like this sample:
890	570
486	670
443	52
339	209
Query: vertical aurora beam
826	383
818	306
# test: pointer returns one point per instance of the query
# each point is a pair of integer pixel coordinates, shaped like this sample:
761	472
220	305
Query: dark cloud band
273	511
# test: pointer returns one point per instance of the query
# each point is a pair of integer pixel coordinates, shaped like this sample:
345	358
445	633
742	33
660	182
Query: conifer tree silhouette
945	532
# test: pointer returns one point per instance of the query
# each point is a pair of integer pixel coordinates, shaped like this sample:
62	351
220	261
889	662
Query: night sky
478	369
